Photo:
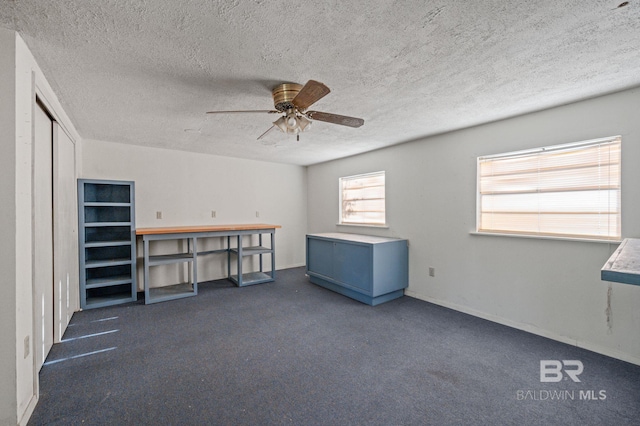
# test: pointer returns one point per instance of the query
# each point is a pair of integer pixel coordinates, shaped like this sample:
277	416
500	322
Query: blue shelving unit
106	218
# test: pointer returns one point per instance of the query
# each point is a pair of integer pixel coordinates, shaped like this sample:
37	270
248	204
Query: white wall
548	287
187	186
20	80
7	229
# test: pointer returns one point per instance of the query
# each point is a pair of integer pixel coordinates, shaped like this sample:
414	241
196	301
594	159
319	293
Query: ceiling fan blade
335	118
310	94
234	112
265	133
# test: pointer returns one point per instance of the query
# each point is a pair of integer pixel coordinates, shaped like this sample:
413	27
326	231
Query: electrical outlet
432	271
213	214
257	213
26	347
158	215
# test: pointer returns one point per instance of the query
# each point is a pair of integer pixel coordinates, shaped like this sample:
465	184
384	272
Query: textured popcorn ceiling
145	72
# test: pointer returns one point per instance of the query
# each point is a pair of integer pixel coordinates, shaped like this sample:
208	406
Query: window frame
341	218
609	237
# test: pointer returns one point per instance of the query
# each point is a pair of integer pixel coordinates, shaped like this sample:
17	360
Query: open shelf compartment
251	278
170	292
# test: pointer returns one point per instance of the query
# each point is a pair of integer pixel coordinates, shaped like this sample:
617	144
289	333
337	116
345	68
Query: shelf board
103	224
107	281
112	299
202	253
107	243
107	262
170	292
105	204
249	251
163	259
252	278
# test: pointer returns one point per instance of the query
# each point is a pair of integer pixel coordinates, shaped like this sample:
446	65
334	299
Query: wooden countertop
204	228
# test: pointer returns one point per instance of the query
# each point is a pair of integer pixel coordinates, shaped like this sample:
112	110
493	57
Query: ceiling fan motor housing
283	94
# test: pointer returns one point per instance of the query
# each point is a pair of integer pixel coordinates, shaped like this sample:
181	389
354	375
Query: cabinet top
204	228
624	264
368	239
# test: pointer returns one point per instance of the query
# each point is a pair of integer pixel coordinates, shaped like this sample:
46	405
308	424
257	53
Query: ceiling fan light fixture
284	124
281	124
303	123
291	121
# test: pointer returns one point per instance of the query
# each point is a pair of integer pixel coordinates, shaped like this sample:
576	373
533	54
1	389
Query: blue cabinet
369	269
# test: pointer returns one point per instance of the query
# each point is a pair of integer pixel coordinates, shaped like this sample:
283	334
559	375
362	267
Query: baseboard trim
530	329
295	265
29	410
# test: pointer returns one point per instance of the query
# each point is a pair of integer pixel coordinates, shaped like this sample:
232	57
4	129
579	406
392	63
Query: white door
65	231
42	236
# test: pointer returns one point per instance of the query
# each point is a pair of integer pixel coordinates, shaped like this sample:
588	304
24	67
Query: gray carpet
292	353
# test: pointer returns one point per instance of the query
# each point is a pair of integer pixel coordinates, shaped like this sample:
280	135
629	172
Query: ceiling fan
292	101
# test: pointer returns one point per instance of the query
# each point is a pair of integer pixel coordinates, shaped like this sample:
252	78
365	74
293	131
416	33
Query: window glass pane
570	190
362	199
564	202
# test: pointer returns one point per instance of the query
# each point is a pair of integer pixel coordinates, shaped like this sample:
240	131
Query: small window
362	199
568	190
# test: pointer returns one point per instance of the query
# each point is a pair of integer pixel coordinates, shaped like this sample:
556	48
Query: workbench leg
260	244
195	265
228	256
239	260
273	256
145	243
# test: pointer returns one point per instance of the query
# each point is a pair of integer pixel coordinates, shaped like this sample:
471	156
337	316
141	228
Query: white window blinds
569	191
362	199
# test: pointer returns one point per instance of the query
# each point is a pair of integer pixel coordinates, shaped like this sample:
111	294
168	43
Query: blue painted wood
107	244
352	264
624	264
369	269
321	262
241	279
175	291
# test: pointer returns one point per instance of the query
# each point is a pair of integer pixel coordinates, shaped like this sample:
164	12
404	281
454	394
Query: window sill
546	237
363	225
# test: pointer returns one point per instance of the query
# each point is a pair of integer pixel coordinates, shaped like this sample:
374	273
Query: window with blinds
569	190
362	199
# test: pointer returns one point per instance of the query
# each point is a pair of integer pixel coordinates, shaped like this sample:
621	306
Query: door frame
43	315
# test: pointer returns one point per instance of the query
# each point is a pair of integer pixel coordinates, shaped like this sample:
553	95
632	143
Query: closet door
42	181
65	231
